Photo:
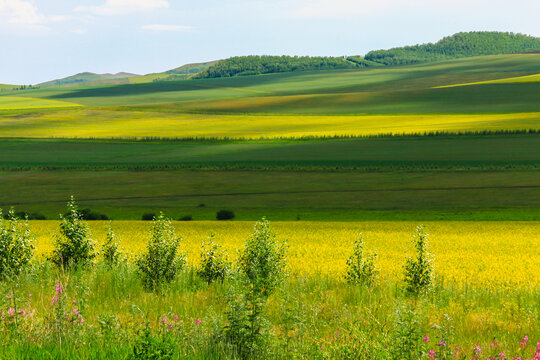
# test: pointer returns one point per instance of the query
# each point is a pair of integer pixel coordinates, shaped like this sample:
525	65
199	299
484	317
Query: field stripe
511	187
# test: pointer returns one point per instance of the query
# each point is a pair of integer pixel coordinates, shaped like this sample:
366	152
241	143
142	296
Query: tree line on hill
451	47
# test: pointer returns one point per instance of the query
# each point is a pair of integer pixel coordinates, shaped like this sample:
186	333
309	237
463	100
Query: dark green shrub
88	215
160	262
225	215
36	216
419	270
73	247
148	216
361	267
16	245
110	252
263	261
215	263
186	218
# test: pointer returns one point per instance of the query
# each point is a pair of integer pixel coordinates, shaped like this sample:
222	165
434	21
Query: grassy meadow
324	155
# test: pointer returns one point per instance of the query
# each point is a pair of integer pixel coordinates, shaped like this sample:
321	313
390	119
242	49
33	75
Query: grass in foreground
105	312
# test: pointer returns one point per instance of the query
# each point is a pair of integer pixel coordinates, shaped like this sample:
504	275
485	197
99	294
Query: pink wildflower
176	318
198	321
442	343
54	300
59	289
164	320
426	338
11	311
502	356
477	349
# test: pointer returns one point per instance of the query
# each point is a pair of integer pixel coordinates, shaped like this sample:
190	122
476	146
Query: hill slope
453	47
86	77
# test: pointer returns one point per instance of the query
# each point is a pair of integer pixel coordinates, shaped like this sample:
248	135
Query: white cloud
19	12
120	7
161	27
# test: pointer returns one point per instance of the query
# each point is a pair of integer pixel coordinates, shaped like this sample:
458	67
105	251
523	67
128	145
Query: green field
256	158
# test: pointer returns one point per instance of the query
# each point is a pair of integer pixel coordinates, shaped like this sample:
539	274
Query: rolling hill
86	77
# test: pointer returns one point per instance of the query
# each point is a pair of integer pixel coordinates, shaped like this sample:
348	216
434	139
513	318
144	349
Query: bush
186	218
73	246
419	271
263	261
148	216
225	215
36	216
361	267
215	262
16	245
88	215
161	262
111	253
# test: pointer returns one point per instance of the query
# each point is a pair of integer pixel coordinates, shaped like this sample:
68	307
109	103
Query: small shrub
150	346
148	216
16	245
361	267
419	271
406	339
160	262
215	262
88	215
111	253
263	260
225	215
186	218
73	246
36	216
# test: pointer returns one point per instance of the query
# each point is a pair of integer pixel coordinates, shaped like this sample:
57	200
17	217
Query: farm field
319	248
281	195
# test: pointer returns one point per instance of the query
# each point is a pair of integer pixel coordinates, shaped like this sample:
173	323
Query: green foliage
149	346
110	250
256	65
73	247
225	215
407	337
418	271
148	216
457	46
215	264
361	265
263	261
16	245
246	324
161	261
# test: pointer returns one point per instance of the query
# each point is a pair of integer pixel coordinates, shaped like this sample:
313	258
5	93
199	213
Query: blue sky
47	39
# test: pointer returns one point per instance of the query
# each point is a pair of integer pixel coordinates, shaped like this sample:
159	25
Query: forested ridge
456	46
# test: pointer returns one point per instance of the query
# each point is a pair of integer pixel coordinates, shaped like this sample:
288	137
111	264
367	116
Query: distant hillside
7	87
86	77
185	71
458	46
452	47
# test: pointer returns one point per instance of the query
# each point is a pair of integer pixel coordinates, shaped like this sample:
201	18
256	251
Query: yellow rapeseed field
102	123
18	103
501	254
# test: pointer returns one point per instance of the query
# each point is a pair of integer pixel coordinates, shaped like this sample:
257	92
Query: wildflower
426	338
176	318
59	289
10	296
502	356
198	321
322	348
54	300
442	343
164	321
477	349
11	311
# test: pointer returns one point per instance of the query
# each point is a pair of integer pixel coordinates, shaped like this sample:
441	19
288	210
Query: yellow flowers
17	102
502	254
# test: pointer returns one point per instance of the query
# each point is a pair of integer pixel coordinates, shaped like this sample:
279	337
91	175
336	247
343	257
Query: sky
43	40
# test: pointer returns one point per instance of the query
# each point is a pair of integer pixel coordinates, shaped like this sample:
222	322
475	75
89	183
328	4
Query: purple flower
11	311
59	289
442	343
198	321
54	300
426	338
164	320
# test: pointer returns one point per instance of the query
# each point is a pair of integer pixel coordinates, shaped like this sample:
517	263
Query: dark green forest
451	47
